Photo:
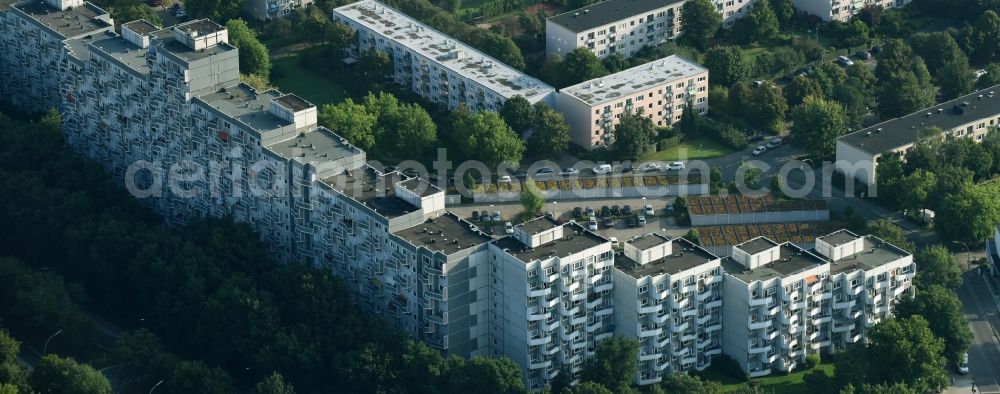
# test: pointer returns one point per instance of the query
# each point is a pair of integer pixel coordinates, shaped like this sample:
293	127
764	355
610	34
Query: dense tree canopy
220	11
899	350
817	124
351	121
549	133
937	266
634	135
254	58
614	364
518	113
943	311
55	374
485	137
727	65
970	214
699	21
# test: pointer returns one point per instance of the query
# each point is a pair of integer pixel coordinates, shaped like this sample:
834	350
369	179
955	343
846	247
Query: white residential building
434	65
668	296
783	303
842	10
661	89
624	26
563	272
970	116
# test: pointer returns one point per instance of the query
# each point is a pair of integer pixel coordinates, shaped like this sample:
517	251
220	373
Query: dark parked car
630	221
609	223
475	216
577	212
863	55
627	210
615	211
605	211
484	216
670	209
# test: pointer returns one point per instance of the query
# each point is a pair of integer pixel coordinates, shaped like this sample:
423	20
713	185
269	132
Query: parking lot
659	222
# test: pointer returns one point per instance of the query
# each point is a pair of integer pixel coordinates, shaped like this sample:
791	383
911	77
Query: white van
603	169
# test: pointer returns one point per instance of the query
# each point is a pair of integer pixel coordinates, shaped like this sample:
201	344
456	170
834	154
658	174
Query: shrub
812	361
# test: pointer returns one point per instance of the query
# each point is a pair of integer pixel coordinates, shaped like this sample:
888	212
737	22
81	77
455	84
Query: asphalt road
980	308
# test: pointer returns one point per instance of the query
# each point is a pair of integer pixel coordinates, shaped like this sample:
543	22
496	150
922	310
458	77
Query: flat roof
5	4
368	187
79	48
839	237
876	253
70	22
200	27
127	53
793	260
794	232
141	26
606	12
647	241
538	225
450	53
447	234
314	146
639	78
686	255
246	104
903	131
420	186
575	239
756	245
293	102
736	204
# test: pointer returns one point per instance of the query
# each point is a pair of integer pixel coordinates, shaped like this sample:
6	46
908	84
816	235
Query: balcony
705	295
540	292
603	286
702	319
899	290
646	331
647	353
843	304
762	301
677	328
539	364
842	328
691	288
578	296
655	308
691	312
770	336
759	348
537	339
595	303
578	320
714	303
759	324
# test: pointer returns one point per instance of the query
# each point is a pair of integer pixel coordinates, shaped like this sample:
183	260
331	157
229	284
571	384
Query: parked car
521	175
577	212
649	210
863	55
549	214
592	224
845	61
602	169
963	366
642	221
508	228
504	179
496	216
545	173
614	242
773	143
670	209
615	211
609	222
590	212
649	167
605	211
759	150
676	166
876	50
627	210
630	221
570	171
475	216
485	217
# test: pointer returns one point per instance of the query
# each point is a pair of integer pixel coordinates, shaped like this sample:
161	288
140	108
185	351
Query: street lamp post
46	347
155	386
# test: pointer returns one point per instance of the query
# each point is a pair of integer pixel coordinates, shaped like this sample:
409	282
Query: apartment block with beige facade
842	10
624	26
660	89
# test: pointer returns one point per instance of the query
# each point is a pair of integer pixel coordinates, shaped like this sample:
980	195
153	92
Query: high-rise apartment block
660	90
668	296
842	10
622	27
266	10
31	38
434	65
783	303
165	112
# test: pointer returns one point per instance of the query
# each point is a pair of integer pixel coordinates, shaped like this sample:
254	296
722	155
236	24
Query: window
643	288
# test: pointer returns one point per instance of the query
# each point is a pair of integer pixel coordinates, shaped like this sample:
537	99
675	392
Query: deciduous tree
943	311
254	58
634	135
55	374
614	365
727	65
699	21
817	124
518	114
549	134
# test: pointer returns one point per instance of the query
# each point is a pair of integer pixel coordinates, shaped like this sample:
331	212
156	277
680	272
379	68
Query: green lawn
289	76
792	383
699	148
